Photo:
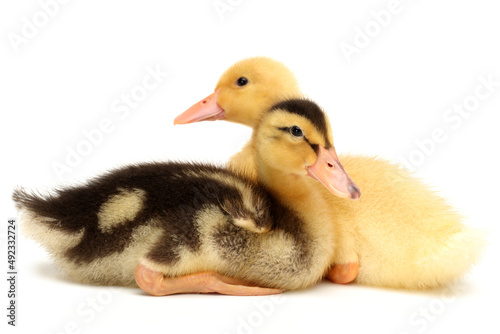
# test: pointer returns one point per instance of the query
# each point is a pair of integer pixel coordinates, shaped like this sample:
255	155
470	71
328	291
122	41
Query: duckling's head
294	136
243	92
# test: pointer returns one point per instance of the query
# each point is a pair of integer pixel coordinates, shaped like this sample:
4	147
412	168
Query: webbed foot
343	273
156	284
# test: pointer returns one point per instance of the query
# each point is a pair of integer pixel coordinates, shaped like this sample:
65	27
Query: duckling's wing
250	225
251	217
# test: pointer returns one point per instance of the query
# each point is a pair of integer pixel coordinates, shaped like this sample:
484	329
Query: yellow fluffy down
402	234
406	236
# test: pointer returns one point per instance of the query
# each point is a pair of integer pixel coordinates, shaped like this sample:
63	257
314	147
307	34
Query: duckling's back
97	232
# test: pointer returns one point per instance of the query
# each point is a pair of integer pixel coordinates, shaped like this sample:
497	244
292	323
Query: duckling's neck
289	188
300	193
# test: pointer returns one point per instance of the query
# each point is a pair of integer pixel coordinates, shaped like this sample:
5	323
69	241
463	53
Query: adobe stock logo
363	37
88	311
429	313
222	7
264	309
30	28
122	107
453	118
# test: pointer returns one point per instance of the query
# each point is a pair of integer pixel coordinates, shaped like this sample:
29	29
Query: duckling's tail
437	261
455	258
49	220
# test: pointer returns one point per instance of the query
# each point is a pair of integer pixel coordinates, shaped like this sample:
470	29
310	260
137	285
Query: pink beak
329	171
205	110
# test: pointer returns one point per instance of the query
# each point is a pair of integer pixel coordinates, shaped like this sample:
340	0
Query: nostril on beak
329	165
204	102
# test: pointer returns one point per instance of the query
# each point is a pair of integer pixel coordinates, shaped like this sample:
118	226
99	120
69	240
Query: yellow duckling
244	101
165	222
400	233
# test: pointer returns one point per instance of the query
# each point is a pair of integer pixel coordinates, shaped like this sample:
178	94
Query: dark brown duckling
180	219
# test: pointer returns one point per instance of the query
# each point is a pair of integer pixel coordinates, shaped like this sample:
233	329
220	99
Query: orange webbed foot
156	284
343	273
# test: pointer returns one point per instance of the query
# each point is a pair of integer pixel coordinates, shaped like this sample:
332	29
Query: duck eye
296	131
242	81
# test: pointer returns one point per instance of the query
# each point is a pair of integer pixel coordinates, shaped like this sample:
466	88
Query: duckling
97	232
176	219
246	90
260	82
399	234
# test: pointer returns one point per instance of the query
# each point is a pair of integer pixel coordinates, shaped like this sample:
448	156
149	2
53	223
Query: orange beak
329	171
205	110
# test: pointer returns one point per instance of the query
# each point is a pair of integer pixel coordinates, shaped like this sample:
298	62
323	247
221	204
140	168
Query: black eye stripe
315	147
293	130
309	110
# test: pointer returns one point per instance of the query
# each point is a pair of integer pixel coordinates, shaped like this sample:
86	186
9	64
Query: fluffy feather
400	232
186	218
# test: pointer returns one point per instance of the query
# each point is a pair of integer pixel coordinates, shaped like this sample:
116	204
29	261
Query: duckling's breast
281	258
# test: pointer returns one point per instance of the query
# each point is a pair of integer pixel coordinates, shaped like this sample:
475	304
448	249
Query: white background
71	73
